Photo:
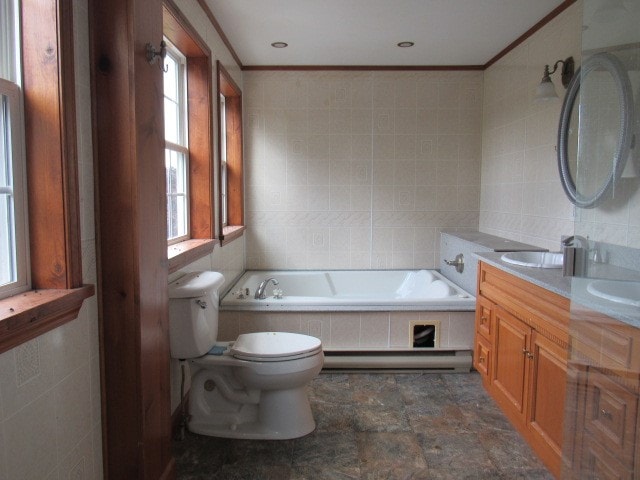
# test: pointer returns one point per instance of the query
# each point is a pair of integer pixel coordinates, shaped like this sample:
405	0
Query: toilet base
279	415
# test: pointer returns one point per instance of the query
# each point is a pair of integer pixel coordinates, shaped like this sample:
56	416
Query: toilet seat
274	346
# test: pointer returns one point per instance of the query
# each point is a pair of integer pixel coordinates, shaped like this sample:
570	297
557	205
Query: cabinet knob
483	319
481	359
527	353
606	414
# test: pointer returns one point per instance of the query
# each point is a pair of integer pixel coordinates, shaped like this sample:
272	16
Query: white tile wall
521	195
616	221
50	386
359	169
354	330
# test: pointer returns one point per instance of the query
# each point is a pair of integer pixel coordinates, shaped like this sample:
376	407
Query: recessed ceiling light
279	45
405	44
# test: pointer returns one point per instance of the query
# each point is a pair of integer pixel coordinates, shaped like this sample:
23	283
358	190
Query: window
231	181
42	79
198	131
223	163
176	146
14	273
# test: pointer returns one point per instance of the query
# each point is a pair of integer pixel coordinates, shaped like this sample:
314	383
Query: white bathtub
349	290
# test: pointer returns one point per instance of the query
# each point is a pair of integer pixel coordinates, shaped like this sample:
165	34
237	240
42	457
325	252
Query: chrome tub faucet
261	288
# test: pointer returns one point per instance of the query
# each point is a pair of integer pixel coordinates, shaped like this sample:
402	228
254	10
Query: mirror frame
610	63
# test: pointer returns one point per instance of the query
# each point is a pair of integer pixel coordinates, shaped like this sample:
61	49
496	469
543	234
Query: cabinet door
482	358
484	321
510	375
548	373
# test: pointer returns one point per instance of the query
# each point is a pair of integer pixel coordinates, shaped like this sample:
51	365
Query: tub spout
263	285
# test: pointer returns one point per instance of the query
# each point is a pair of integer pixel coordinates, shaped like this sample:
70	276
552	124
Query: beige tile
70	347
399	329
78	464
374	330
26	372
3	463
31	453
345	330
72	409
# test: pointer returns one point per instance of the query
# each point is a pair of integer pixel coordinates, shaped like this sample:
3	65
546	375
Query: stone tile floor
375	426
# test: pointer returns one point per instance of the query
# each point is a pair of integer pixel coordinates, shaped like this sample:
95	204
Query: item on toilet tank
461	245
253	388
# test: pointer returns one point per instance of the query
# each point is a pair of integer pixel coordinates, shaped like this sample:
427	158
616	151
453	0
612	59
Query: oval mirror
591	164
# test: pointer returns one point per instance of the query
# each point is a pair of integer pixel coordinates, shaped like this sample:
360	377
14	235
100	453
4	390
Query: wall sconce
546	90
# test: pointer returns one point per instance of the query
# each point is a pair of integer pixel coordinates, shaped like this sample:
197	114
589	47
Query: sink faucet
574	260
570	241
260	290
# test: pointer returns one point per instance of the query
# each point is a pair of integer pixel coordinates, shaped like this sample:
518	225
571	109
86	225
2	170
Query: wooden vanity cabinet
521	353
606	400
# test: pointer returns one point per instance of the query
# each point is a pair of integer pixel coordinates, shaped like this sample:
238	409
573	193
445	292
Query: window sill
28	315
183	253
230	233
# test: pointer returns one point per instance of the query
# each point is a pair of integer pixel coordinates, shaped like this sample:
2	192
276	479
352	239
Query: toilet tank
193	313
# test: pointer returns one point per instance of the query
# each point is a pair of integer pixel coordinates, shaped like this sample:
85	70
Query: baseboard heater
452	361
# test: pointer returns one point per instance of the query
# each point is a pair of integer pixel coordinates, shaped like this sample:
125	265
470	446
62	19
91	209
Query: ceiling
366	32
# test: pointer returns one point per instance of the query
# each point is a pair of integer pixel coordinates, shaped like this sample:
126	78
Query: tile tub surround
375	426
521	195
378	331
359	170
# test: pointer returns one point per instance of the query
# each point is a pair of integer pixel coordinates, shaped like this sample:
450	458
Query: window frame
232	134
181	146
22	281
48	82
178	30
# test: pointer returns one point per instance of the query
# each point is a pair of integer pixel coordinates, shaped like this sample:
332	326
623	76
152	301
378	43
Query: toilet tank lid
274	344
195	284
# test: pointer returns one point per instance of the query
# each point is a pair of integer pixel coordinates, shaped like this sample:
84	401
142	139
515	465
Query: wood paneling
132	247
29	315
50	138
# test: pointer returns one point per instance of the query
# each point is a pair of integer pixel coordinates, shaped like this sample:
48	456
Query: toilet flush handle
202	304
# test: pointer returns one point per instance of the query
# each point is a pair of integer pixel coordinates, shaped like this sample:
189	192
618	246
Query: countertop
574	288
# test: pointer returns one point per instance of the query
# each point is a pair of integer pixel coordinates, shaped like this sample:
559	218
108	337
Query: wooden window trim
201	167
235	188
52	177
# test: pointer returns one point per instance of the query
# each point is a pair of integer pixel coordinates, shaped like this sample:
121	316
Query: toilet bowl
254	387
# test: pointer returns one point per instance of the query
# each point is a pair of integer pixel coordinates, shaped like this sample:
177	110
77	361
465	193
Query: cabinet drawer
482	358
604	341
610	416
484	320
598	464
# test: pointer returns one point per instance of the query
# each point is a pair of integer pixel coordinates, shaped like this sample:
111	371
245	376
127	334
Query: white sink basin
618	291
534	259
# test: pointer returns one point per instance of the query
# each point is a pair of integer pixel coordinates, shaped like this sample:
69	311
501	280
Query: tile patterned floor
378	427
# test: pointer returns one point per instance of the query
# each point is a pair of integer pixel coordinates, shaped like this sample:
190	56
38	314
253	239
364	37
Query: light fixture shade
545	91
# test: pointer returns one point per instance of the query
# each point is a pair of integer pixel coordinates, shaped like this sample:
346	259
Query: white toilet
252	388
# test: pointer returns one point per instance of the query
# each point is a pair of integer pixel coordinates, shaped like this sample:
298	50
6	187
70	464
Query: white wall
359	169
521	195
50	386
